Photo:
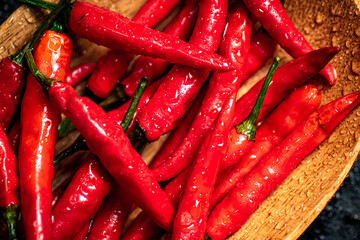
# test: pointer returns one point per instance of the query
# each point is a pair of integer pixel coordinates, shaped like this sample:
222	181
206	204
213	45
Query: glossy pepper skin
286	78
234	46
78	73
110	219
38	124
11	86
143	227
243	200
181	84
262	48
112	66
193	209
81	199
9	185
301	103
14	137
114	31
180	27
277	23
106	139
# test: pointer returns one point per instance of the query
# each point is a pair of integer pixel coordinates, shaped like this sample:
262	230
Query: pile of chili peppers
224	155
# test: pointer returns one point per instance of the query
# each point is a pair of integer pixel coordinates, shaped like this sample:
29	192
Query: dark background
339	220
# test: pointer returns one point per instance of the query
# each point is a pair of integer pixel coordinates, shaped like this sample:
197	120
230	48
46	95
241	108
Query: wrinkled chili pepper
81	199
9	185
277	23
117	115
108	141
38	125
233	211
273	130
110	219
235	47
181	84
180	27
112	66
262	48
78	73
190	219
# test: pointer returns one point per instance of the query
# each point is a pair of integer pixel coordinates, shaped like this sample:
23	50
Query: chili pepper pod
14	137
108	141
243	200
286	78
110	219
180	27
38	124
81	199
277	23
181	84
9	185
78	73
82	234
234	46
272	131
112	66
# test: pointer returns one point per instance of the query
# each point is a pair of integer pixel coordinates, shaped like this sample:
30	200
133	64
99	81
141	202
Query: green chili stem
248	126
10	214
78	145
49	20
40	3
133	104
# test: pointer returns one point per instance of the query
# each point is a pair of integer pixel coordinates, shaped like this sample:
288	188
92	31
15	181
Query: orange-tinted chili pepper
271	132
233	211
38	123
277	23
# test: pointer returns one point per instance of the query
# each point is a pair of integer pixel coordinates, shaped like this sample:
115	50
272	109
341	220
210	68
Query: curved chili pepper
143	227
180	27
9	185
277	23
112	66
81	199
272	131
262	48
178	134
82	234
190	219
286	78
235	47
38	125
107	140
181	84
14	137
110	219
78	73
243	200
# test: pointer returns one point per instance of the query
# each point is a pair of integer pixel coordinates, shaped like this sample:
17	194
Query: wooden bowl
290	209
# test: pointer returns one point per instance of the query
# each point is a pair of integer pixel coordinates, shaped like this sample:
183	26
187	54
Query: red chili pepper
108	141
109	221
14	137
277	23
78	73
81	199
81	235
182	83
143	227
180	27
112	66
286	78
9	185
193	209
178	134
234	46
233	211
262	48
272	131
38	125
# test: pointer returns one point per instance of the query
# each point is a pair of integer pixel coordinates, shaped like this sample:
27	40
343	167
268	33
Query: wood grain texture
287	212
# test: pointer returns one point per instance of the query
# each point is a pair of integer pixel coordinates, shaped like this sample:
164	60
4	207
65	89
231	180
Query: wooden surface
287	212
